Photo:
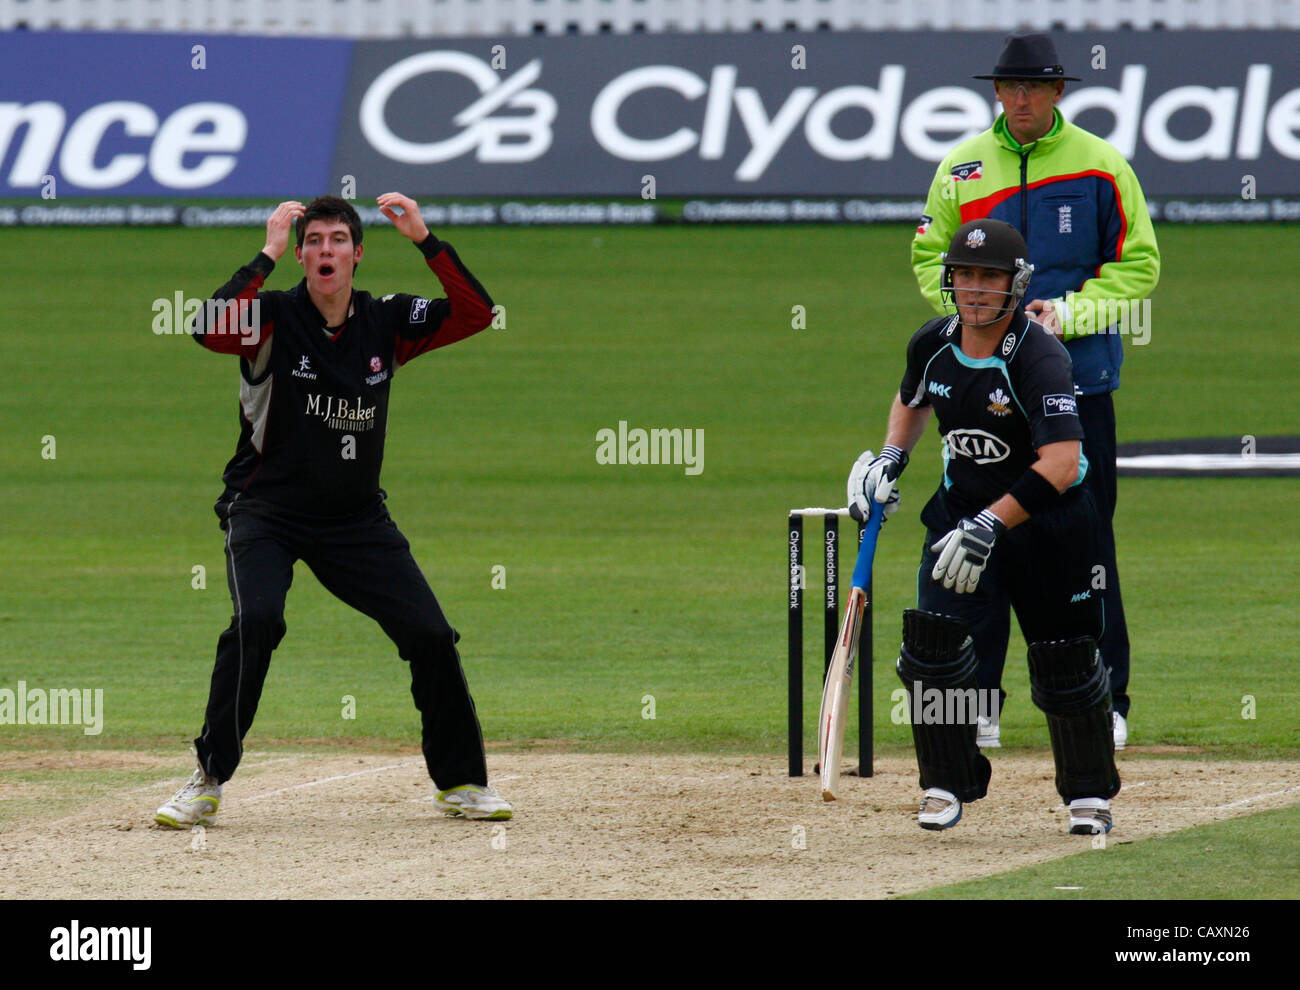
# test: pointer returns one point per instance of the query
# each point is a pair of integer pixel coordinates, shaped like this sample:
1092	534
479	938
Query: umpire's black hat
1028	56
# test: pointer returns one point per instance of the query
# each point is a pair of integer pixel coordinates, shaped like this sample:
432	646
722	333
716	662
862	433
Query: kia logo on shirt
979	445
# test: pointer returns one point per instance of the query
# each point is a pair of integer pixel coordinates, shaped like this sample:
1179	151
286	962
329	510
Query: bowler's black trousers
365	561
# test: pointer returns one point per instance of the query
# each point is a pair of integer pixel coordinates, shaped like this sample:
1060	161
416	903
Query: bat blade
839	678
835	695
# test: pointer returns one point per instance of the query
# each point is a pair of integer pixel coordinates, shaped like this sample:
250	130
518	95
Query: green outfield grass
622	581
1242	859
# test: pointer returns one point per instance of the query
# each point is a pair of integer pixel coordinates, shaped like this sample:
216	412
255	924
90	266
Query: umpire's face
1028	105
328	257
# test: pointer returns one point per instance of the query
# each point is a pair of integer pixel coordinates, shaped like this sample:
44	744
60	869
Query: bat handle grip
867	551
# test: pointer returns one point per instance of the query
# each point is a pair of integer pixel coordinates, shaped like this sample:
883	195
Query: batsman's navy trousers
1097	414
365	561
1044	569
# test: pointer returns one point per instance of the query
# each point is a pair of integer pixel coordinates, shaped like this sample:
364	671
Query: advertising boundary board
1205	117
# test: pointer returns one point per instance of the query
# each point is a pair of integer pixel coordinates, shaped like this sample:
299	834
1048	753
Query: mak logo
1081	596
480	131
979	445
934	388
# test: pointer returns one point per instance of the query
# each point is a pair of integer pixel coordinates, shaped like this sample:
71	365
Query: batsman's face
328	256
980	294
1028	105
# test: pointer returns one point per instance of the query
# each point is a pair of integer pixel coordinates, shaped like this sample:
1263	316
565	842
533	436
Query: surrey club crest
975	238
999	403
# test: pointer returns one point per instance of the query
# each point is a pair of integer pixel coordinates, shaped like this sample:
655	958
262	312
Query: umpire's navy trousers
1097	414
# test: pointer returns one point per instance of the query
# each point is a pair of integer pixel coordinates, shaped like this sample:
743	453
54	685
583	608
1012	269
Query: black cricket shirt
313	402
994	412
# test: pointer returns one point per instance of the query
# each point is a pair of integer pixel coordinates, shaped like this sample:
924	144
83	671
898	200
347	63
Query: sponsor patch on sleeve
968	171
924	226
419	308
1059	405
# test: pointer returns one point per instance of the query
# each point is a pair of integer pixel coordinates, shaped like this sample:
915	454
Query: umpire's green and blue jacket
1078	204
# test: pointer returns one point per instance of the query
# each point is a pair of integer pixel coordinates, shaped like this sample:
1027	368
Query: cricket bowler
316	364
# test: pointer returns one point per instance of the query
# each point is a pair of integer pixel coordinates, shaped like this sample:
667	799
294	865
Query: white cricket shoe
473	801
988	734
1089	816
939	809
1121	732
194	804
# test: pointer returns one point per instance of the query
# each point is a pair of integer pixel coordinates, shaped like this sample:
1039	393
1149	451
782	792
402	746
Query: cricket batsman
316	364
1011	526
1080	207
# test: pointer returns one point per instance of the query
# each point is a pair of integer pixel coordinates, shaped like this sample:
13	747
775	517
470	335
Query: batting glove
964	552
875	477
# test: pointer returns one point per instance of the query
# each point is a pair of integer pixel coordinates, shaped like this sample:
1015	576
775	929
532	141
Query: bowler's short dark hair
330	208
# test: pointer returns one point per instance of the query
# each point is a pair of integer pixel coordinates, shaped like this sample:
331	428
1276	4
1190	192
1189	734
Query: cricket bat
835	694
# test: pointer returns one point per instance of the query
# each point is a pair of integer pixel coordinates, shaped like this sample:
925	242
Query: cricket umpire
1011	526
316	364
1076	201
